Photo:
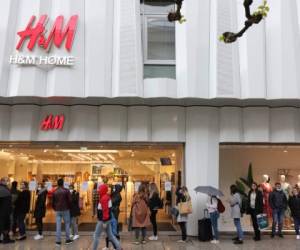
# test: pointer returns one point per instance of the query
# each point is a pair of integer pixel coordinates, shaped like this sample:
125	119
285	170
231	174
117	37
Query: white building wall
200	128
262	64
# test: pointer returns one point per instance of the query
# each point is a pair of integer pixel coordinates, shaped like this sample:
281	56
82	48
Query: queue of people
15	205
254	208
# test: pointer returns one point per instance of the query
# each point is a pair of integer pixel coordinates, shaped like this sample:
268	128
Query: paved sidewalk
165	243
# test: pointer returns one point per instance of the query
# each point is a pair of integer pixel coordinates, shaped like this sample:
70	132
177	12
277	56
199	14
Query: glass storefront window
90	165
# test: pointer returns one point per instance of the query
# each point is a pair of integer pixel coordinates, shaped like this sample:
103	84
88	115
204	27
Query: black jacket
75	209
116	200
154	202
5	208
5	201
294	204
278	200
23	202
40	205
259	202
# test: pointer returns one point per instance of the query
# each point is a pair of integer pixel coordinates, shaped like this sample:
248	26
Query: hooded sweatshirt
105	204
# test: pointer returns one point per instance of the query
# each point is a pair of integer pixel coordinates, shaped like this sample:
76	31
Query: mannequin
90	190
286	188
129	195
267	189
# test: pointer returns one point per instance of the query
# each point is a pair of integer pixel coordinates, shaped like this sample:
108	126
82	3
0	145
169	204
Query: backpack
221	207
244	205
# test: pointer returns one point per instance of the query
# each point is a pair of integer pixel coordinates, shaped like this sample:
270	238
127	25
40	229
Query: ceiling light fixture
111	157
89	151
102	157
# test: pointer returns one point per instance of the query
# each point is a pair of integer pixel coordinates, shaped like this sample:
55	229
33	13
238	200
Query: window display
85	168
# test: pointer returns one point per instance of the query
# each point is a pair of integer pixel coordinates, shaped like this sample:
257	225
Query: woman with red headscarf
104	216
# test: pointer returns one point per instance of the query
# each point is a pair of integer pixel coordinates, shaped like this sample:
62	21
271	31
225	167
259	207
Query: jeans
253	215
107	227
297	224
214	223
95	205
62	215
278	215
39	224
153	221
21	224
74	225
183	230
137	233
239	230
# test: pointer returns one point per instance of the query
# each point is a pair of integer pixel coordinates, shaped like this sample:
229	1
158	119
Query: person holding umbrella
212	207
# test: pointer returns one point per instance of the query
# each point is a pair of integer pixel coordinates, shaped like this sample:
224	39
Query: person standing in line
104	216
212	207
40	209
5	211
278	203
95	199
116	199
61	203
255	207
140	214
14	194
235	203
182	195
22	209
74	212
294	204
154	205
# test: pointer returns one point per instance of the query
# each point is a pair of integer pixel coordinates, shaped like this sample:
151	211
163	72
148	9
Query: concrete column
202	157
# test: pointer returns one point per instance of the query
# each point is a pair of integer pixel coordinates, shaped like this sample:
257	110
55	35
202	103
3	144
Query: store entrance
268	164
88	165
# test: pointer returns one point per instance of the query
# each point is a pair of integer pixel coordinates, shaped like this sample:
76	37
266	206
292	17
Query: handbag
262	221
185	207
174	211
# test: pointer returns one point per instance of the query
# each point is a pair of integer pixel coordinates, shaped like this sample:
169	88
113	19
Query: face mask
71	190
39	188
278	189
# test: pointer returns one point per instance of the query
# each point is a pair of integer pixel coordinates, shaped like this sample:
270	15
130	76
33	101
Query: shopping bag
174	211
185	207
262	221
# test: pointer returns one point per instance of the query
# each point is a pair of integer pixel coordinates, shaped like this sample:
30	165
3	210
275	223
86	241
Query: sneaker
280	235
298	237
22	237
153	237
71	235
38	237
75	237
105	248
136	242
58	244
215	242
181	241
144	242
68	242
238	242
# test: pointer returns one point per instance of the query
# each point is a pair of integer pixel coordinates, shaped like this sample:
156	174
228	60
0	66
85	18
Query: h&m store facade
77	93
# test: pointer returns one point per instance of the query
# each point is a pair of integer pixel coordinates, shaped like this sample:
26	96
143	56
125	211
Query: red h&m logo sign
58	33
52	122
